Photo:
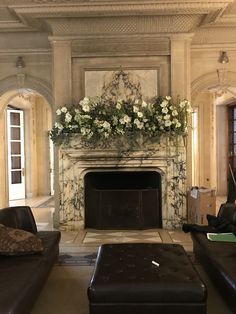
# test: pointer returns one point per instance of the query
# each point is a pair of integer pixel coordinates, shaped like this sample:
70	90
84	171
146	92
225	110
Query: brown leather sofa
219	258
23	277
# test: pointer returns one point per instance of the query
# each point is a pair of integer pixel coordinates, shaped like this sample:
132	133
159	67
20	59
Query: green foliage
96	119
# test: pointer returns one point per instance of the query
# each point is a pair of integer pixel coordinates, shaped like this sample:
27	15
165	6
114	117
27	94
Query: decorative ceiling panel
121	17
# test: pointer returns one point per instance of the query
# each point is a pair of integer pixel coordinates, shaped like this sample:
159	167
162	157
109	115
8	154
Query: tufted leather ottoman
126	282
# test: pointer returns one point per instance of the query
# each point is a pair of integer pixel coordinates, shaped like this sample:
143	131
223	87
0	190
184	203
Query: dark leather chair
23	277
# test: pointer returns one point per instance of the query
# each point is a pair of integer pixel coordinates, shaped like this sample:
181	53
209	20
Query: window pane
16	177
15	148
16	162
15	133
14	118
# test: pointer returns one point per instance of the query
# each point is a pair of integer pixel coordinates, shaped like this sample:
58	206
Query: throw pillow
18	242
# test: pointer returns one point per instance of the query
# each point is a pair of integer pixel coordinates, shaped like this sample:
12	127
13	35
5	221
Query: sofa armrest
228	211
19	217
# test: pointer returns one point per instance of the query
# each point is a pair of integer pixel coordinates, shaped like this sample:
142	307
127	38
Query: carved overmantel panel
167	158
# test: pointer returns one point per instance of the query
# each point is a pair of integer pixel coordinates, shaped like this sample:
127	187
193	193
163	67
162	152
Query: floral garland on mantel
101	120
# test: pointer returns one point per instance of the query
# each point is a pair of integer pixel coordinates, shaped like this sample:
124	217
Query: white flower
174	113
168	97
167	123
106	125
118	106
64	109
127	119
138	123
167	117
68	117
85	101
85	107
136	101
85	131
58	112
59	126
135	109
106	135
139	114
164	110
178	125
164	103
120	131
144	104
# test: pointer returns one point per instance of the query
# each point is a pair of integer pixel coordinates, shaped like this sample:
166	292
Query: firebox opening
123	200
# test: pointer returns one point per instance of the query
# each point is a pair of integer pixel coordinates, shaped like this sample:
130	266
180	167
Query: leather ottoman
125	281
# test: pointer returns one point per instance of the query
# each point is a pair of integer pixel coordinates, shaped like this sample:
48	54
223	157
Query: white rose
86	108
58	112
58	125
175	113
64	109
118	106
168	97
68	117
127	119
164	103
106	125
140	114
178	124
144	104
167	117
164	110
168	123
135	109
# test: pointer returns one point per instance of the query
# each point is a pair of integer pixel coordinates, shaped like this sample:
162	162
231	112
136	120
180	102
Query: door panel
16	158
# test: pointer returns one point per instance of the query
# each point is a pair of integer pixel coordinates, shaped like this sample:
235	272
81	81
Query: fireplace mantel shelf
110	153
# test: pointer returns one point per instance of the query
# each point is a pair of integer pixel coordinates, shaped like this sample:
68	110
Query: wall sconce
20	64
223	57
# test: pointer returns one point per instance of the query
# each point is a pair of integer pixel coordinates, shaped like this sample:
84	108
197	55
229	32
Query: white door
16	158
51	167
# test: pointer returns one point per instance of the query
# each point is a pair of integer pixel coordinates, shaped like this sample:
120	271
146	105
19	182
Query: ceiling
209	22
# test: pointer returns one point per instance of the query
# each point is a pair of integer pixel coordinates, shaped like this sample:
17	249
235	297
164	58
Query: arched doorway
210	102
35	105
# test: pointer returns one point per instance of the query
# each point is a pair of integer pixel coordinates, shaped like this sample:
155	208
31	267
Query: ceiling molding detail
205	81
106	17
121	46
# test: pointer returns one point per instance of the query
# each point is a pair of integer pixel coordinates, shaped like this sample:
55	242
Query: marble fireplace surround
75	161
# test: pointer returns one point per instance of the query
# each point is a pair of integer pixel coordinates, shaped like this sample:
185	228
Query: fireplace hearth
123	200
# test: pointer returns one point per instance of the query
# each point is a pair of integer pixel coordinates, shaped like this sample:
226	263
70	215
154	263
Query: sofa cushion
214	248
18	242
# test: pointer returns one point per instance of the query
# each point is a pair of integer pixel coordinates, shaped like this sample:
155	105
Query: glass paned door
16	171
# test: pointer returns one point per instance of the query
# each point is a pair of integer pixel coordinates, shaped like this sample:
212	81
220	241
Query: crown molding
17	52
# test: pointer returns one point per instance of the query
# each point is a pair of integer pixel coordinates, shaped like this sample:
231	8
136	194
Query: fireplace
123	199
147	184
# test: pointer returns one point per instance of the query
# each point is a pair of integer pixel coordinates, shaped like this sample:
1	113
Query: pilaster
61	72
62	91
181	82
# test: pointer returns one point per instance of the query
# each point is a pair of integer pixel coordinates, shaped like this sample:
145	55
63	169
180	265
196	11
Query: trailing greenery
96	119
